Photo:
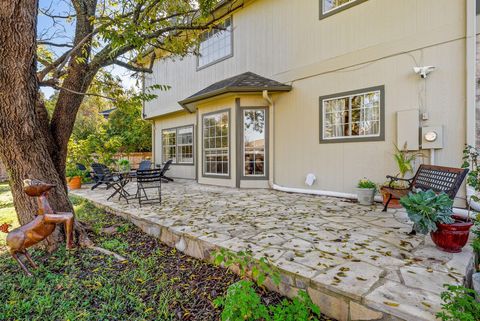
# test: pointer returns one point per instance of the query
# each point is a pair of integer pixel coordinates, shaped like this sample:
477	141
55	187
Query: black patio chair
143	166
164	169
102	175
111	180
146	180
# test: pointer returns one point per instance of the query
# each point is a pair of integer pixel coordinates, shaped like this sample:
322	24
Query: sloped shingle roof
246	82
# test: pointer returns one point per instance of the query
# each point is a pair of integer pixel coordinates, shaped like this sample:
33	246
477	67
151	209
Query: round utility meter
431	136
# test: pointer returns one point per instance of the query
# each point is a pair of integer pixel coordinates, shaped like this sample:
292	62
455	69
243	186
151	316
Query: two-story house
324	87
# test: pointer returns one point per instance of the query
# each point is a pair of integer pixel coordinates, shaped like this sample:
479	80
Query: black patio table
119	181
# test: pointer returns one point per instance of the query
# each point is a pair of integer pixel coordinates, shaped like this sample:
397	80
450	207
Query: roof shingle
246	82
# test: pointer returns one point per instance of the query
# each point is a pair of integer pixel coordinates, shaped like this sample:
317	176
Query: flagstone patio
356	262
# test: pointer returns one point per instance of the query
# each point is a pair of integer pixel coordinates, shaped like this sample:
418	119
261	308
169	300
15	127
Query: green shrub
242	302
425	209
470	161
459	304
366	183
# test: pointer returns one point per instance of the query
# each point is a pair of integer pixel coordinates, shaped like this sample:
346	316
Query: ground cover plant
242	302
459	304
155	282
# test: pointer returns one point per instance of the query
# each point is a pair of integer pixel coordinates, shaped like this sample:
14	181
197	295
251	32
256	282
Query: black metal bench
437	178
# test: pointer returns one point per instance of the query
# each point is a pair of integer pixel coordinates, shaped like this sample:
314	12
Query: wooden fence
134	158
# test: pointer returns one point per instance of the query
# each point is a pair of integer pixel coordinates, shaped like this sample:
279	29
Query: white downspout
471	53
471	71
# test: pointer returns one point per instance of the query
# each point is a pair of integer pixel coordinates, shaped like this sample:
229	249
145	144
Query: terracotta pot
452	237
74	182
394	203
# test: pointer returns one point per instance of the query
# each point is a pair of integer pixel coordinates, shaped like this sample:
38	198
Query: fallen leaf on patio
426	304
392	304
361	279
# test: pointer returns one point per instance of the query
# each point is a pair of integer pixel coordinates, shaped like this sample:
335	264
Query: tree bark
25	142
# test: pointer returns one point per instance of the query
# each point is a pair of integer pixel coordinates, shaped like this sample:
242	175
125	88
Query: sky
64	30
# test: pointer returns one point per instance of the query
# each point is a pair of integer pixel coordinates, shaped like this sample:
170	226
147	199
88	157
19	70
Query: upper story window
329	7
216	45
352	116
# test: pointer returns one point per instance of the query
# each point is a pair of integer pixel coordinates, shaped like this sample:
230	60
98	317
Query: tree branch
130	66
49	43
54	86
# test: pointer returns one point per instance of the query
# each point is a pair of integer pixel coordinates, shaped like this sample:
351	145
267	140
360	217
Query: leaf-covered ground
155	283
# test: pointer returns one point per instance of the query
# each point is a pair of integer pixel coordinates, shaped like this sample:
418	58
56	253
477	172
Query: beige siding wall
339	166
375	43
276	38
178	119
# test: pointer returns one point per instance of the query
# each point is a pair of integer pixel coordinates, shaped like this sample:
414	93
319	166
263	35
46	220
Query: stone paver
356	262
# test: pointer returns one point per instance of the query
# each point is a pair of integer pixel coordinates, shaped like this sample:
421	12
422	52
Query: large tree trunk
25	142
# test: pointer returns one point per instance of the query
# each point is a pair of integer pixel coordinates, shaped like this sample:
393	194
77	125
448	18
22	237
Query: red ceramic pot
452	237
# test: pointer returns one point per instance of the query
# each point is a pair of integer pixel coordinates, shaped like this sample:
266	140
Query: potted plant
123	165
74	178
366	190
432	213
404	160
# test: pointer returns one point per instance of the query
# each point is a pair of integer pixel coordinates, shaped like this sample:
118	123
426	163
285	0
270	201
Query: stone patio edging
340	306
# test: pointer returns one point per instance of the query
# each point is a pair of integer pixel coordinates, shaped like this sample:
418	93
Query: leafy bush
459	305
425	209
73	171
123	164
244	261
242	302
470	161
366	183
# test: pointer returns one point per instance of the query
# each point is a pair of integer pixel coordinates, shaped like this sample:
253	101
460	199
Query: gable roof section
246	82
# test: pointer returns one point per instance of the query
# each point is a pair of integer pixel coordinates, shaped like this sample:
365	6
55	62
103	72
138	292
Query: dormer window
216	45
330	7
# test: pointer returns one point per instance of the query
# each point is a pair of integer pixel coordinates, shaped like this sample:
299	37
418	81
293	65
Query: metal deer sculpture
23	237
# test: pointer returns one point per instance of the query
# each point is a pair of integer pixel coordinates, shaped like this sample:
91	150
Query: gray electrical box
408	124
432	137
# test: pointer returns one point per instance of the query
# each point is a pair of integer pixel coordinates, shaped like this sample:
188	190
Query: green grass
83	284
7	212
